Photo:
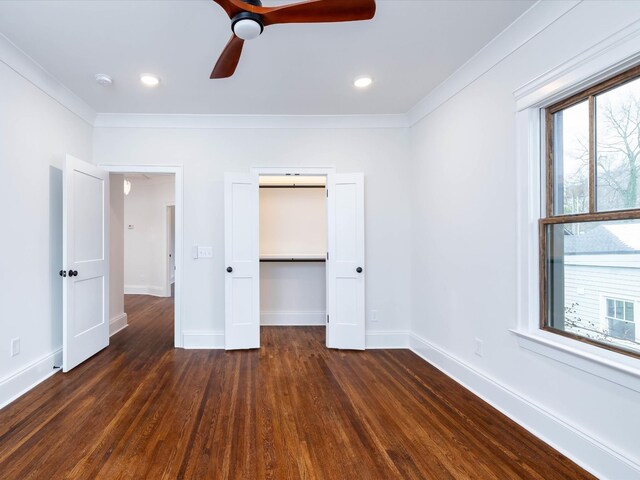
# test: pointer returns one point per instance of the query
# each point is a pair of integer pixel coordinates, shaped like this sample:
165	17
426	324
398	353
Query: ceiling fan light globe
247	29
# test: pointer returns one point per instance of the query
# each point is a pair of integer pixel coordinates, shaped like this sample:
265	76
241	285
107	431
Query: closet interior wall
293	246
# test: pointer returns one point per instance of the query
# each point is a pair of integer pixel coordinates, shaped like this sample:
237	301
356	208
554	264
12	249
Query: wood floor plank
291	410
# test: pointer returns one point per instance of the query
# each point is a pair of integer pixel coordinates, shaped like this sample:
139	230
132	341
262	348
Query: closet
294	255
293	250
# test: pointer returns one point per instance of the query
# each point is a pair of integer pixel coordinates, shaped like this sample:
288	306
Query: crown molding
208	121
526	27
613	55
30	70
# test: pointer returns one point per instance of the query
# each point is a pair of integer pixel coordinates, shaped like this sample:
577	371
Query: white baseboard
145	290
203	340
374	340
588	452
118	323
24	380
385	339
293	319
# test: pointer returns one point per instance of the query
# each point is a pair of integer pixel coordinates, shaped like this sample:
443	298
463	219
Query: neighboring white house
602	283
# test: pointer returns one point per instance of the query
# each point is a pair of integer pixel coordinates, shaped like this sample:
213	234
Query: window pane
571	160
622	330
628	314
618	148
619	309
592	278
610	304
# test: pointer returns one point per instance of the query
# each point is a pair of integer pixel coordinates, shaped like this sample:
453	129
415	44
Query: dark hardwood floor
292	410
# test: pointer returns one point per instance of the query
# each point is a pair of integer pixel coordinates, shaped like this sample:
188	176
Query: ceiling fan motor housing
247	25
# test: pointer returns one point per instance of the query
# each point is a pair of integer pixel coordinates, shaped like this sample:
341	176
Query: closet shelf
307	257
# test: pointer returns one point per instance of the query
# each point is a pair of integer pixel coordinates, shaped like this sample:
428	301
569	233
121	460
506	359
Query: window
590	235
620	319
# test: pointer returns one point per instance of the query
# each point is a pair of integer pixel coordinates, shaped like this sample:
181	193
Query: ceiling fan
249	17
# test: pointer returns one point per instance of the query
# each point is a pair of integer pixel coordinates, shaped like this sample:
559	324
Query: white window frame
614	55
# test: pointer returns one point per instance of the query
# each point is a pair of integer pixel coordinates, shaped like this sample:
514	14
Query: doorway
150	225
345	274
293	250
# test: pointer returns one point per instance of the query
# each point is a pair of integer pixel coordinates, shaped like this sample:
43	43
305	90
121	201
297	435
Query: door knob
73	273
229	269
359	269
63	273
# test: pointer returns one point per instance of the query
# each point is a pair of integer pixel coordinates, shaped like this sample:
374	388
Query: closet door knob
359	269
229	269
73	273
63	273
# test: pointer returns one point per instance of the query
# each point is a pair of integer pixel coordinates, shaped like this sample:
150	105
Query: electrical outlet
15	347
478	347
374	316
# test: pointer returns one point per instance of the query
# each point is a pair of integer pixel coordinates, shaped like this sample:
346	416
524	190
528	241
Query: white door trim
294	170
179	247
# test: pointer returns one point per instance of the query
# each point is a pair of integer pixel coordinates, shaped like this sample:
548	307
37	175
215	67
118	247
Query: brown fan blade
317	11
229	58
231	7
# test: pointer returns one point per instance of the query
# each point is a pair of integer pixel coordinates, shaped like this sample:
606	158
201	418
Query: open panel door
345	262
85	289
242	261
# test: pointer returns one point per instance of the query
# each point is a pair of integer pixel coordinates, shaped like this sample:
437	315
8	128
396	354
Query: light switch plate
205	252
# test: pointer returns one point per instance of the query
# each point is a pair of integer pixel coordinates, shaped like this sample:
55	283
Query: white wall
145	245
293	222
382	154
293	293
35	134
117	316
465	249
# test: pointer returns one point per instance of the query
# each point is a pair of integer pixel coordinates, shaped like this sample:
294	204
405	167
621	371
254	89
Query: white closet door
85	325
345	264
242	257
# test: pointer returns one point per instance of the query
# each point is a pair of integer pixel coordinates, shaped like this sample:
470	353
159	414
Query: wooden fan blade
231	7
229	58
317	11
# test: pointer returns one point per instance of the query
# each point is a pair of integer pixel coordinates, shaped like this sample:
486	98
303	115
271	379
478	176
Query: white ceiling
409	48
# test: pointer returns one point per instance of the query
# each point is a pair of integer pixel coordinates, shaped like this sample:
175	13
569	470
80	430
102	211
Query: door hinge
327	318
327	255
327	193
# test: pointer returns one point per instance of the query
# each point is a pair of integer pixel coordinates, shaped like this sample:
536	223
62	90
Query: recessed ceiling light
103	79
363	81
149	80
